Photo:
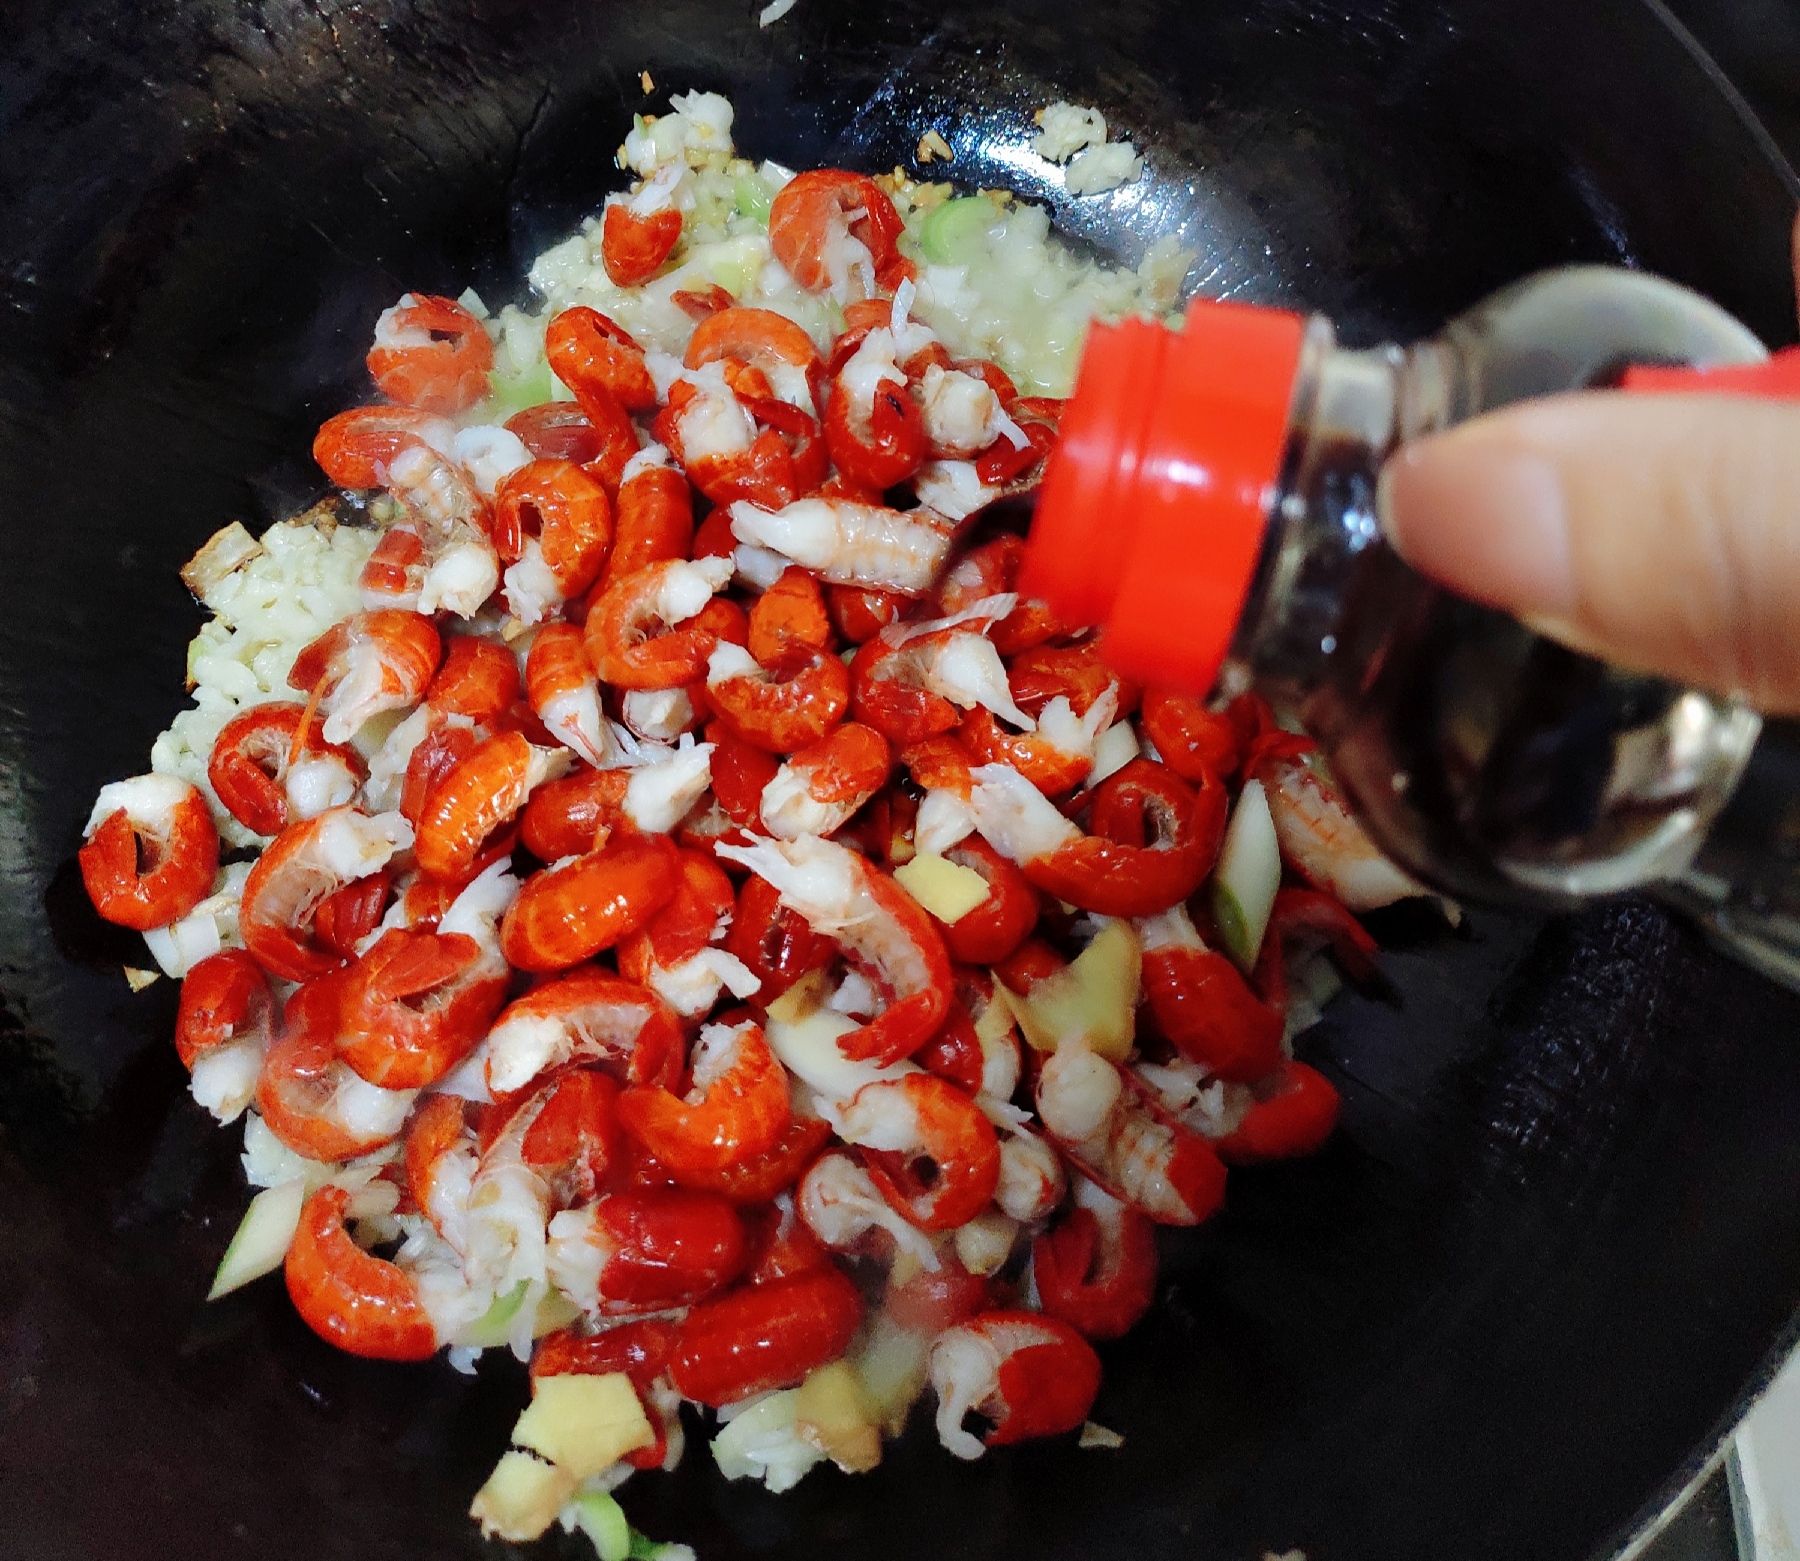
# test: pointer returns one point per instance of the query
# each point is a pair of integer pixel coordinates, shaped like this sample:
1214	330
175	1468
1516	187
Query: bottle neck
1351	411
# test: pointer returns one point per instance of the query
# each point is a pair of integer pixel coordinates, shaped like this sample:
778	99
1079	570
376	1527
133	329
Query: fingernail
1484	516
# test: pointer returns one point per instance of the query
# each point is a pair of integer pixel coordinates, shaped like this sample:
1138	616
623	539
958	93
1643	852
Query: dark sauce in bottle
1488	760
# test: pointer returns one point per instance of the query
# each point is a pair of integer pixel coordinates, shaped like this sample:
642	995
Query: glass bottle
1236	465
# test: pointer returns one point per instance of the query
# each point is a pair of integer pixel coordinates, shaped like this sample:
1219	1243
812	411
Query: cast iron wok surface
1508	1312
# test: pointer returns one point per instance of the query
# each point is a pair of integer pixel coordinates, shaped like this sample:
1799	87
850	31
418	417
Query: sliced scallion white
1116	747
262	1238
1248	874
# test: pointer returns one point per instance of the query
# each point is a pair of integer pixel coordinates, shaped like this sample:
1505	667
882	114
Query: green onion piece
602	1519
491	1329
510	393
732	262
751	195
954	232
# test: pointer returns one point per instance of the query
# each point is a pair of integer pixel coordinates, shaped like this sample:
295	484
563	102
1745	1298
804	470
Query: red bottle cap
1151	516
1776	378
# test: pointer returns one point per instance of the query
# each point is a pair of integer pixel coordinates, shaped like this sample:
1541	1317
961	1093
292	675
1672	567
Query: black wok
1506	1315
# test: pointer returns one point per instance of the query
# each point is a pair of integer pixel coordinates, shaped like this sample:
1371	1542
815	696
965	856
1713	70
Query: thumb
1658	532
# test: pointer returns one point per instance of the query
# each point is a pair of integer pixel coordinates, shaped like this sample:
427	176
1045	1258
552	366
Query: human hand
1659	532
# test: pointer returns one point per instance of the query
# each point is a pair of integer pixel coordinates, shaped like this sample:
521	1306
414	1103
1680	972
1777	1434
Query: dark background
1757	45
